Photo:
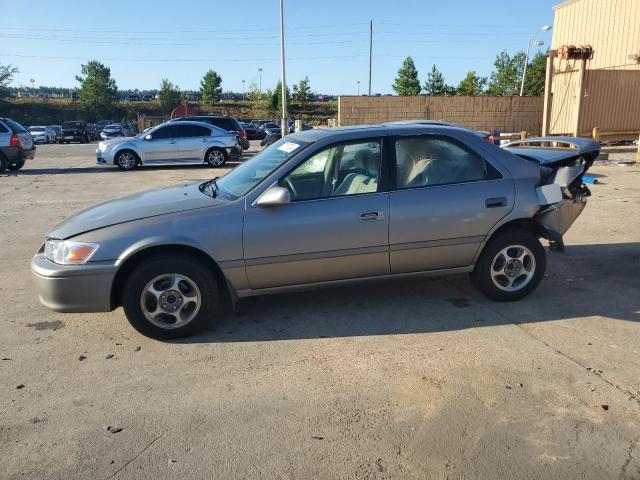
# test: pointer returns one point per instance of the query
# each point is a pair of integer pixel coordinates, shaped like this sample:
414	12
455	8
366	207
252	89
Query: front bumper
104	157
73	288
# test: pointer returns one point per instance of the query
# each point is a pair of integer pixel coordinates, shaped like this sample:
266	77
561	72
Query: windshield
244	178
36	129
72	125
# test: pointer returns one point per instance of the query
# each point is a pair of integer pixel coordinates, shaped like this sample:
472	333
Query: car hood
104	144
141	205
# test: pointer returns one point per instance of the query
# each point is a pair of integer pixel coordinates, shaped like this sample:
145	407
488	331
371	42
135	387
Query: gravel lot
420	378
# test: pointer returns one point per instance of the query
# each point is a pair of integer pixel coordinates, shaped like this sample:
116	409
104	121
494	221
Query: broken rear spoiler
549	150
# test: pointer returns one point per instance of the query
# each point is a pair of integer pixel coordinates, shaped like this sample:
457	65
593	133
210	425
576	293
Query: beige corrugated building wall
609	86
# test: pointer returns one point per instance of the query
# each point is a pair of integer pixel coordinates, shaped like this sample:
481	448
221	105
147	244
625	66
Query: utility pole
358	82
370	51
260	81
243	90
284	124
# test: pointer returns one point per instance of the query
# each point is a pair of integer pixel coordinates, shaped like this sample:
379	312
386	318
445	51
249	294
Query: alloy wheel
170	301
513	268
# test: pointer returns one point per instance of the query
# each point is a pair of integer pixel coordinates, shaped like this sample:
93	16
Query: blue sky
144	41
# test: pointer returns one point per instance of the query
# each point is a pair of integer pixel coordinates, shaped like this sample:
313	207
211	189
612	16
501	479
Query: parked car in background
16	145
75	132
92	132
271	128
133	98
57	130
171	142
224	122
114	130
147	98
170	256
100	124
253	132
42	134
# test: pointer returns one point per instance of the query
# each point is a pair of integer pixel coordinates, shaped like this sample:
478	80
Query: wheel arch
127	148
130	263
526	224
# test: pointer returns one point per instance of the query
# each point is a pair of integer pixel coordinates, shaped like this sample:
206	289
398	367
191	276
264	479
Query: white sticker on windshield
288	147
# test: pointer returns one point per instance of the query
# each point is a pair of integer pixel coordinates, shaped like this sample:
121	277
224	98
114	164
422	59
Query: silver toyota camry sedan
317	208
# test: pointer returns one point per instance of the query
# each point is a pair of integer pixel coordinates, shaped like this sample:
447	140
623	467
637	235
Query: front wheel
216	157
126	160
511	266
170	297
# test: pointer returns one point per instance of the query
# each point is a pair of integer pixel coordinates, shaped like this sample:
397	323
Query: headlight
67	252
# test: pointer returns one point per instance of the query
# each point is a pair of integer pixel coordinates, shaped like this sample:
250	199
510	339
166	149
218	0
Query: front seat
366	182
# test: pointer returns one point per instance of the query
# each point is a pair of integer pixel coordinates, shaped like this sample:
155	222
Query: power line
165	32
162	60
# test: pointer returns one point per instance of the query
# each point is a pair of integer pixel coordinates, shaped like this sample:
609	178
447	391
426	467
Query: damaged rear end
562	194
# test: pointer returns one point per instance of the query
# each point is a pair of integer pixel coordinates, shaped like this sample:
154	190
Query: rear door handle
496	202
172	142
371	216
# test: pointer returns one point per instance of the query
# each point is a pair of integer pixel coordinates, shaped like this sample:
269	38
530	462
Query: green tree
407	82
536	75
98	91
302	92
170	96
505	79
472	85
435	84
210	86
6	75
276	97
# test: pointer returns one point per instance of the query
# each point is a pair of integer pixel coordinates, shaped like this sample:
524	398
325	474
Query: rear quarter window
15	126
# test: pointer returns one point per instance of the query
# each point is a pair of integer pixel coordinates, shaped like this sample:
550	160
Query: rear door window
186	131
430	160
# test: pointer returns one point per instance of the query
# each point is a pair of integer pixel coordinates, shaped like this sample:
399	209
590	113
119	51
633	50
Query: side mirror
148	137
273	197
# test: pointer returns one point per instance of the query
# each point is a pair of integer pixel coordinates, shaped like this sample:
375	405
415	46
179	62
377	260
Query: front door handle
172	142
371	216
496	202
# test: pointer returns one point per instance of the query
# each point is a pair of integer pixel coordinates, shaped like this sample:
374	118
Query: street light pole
370	52
358	82
284	124
260	81
243	90
546	28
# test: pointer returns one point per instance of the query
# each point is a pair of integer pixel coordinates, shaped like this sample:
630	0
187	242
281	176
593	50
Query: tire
161	273
3	163
126	160
511	266
216	157
16	165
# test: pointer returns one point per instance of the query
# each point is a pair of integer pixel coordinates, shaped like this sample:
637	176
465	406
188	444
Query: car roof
359	131
194	122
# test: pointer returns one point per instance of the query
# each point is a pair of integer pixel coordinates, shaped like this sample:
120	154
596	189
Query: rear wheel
216	157
511	266
170	297
16	165
126	160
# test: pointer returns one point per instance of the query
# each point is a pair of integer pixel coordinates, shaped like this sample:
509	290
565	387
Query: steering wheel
290	187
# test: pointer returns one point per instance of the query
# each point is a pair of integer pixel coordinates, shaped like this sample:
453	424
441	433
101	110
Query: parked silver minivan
321	207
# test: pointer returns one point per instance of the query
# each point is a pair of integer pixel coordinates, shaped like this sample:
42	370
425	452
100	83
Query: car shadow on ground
111	170
588	280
